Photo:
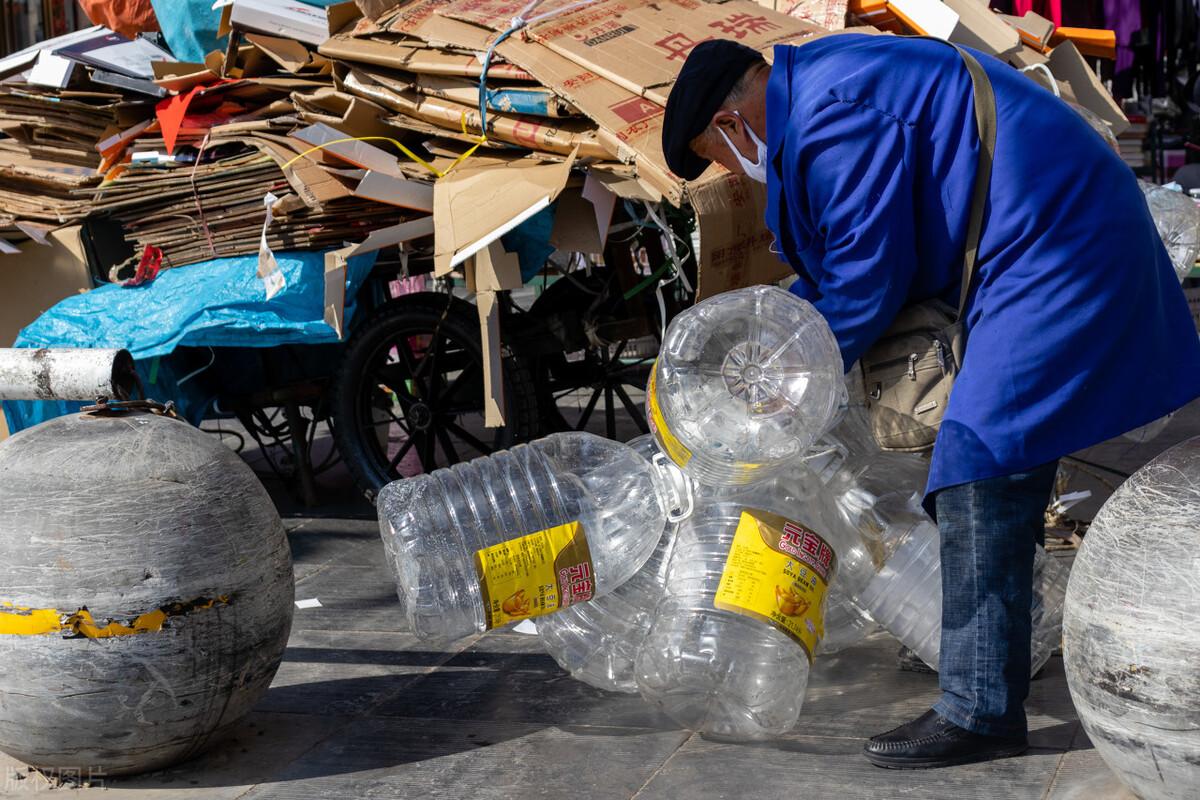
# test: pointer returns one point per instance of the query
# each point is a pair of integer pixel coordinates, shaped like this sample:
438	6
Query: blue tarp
190	26
219	303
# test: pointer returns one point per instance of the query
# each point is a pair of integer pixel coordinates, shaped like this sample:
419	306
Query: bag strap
985	121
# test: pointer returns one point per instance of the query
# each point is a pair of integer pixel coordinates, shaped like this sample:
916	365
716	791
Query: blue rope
487	63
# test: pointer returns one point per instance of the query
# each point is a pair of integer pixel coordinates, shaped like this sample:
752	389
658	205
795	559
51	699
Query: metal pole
67	374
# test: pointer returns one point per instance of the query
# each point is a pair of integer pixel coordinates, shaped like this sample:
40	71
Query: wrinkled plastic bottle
597	641
878	494
846	623
906	596
745	382
728	653
523	532
1178	221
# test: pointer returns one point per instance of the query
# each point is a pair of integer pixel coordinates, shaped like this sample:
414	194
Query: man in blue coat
1077	329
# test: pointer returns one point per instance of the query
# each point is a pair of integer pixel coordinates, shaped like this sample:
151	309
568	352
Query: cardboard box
966	22
39	276
1034	29
288	19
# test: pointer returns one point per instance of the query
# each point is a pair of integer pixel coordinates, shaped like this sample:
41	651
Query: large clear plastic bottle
873	491
523	532
905	596
846	622
1178	221
745	382
728	653
597	641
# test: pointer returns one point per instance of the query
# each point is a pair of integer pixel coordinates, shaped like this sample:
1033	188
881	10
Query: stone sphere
146	592
1131	628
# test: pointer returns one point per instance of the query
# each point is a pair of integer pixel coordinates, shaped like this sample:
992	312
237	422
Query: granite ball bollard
1132	628
146	593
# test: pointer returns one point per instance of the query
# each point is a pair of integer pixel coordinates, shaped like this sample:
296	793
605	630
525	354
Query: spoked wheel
409	396
593	367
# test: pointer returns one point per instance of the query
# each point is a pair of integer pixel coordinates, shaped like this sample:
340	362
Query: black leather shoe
932	741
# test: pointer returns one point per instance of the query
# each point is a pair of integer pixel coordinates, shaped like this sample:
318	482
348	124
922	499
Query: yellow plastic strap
437	172
401	147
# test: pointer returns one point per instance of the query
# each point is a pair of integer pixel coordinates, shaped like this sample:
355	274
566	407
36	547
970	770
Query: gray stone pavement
360	709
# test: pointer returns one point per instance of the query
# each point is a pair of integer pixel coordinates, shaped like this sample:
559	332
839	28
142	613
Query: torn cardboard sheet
735	245
638	44
404	192
390	53
337	144
827	14
536	133
1069	66
335	264
474	207
533	100
493	364
289	54
631	125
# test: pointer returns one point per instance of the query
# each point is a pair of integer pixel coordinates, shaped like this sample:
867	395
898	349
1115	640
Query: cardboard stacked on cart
1054	57
612	60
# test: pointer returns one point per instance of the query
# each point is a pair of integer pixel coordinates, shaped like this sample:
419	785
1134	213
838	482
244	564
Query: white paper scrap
268	267
311	602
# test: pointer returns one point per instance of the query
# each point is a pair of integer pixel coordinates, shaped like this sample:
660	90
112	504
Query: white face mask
757	170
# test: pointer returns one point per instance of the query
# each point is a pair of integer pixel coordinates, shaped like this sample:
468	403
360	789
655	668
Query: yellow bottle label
778	572
675	449
535	574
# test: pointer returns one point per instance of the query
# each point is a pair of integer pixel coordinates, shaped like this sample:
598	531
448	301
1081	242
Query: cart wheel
408	397
594	376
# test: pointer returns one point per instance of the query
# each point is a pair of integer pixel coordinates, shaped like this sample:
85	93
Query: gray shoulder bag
910	371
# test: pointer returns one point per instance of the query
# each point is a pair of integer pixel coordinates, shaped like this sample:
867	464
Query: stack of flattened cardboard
583	81
48	159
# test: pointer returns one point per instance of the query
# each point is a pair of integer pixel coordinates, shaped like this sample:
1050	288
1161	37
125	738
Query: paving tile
346	542
352	598
262	745
1083	775
346	672
802	766
508	677
480	760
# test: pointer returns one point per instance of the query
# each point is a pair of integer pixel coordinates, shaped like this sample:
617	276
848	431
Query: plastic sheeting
219	303
126	17
190	27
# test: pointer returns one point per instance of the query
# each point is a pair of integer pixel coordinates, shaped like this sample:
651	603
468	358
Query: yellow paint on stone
19	621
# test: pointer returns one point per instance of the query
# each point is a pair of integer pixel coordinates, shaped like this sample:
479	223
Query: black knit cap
711	70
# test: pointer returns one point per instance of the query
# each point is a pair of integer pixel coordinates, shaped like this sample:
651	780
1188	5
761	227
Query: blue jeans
988	529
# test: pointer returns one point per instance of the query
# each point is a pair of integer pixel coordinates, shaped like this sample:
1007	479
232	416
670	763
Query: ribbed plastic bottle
523	532
729	650
744	384
597	641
